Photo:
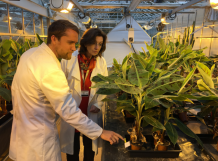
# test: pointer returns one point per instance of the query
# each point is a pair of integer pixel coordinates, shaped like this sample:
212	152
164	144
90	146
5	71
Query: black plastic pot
172	152
5	132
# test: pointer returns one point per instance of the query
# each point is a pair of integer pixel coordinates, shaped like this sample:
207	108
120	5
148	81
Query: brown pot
163	147
136	146
183	117
128	115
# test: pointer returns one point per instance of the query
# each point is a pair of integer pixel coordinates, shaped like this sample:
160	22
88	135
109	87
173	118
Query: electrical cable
59	6
133	47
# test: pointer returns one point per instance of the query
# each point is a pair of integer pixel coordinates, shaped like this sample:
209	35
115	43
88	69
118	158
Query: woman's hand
94	109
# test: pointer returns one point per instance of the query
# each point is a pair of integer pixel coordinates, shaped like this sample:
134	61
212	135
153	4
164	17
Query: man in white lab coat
39	91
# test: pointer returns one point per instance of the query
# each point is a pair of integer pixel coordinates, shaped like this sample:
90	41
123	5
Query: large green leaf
116	100
143	76
203	67
187	131
6	45
5	93
151	64
105	78
130	89
154	122
152	51
124	67
171	132
116	65
107	91
97	79
141	60
202	86
14	46
170	84
123	82
211	97
105	85
173	97
150	102
206	76
39	39
189	76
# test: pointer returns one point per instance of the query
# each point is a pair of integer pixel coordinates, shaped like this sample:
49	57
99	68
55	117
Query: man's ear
53	39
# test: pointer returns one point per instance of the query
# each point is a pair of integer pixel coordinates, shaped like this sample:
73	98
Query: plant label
127	144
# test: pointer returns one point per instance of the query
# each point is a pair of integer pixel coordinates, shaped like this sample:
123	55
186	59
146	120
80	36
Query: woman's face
93	49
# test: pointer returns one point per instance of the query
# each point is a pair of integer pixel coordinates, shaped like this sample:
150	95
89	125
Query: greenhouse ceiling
141	11
108	13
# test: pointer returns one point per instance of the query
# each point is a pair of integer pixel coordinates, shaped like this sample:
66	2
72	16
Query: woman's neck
88	55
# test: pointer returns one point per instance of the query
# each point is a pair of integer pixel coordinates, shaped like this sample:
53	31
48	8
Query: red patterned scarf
86	63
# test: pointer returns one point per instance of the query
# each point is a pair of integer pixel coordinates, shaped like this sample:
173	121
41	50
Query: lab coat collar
50	52
75	67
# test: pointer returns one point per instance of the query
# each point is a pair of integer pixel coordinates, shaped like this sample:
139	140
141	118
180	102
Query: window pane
15	14
38	24
3	18
28	22
51	21
45	25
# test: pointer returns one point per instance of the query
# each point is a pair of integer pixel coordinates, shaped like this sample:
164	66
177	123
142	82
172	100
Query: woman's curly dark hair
89	38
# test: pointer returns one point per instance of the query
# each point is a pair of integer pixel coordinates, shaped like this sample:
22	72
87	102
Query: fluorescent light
64	11
70	6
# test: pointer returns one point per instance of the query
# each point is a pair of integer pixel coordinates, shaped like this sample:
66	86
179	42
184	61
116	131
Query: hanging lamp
214	4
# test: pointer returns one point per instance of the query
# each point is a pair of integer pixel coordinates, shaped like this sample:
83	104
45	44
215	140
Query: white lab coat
39	91
72	72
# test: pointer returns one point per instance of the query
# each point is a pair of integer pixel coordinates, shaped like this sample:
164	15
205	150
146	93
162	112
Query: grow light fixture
163	19
214	4
61	6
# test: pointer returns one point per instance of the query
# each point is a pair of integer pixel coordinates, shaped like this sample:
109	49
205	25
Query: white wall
178	25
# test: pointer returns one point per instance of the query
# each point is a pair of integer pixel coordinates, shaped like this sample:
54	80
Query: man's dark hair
89	38
58	28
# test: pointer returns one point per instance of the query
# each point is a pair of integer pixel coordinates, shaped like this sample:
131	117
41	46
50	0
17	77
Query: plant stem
139	115
162	136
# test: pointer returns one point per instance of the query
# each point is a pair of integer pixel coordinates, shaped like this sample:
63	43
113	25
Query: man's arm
55	87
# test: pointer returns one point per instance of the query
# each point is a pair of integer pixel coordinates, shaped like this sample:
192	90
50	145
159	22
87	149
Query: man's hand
111	136
94	109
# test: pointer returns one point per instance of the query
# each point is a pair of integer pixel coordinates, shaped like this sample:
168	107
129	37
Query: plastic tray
172	152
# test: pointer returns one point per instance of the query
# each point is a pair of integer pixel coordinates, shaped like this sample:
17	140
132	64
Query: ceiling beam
133	5
143	6
181	7
76	12
77	5
114	21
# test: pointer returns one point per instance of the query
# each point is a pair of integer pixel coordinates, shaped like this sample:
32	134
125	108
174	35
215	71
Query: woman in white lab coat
84	64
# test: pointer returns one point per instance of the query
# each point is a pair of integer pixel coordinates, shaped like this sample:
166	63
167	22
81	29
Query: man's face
66	45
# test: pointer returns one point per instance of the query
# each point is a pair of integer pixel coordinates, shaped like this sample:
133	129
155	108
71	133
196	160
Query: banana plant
152	89
10	53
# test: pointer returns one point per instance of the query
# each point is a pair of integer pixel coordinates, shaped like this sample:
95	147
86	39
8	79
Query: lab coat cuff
98	105
100	132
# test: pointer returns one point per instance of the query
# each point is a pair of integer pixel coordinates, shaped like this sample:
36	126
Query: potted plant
149	87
